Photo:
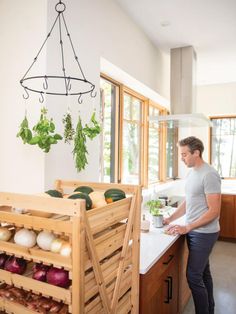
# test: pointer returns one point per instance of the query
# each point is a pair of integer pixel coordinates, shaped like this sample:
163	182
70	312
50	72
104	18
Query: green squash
54	193
83	196
113	195
84	189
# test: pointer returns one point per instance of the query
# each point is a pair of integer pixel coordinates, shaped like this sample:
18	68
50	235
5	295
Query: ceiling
207	25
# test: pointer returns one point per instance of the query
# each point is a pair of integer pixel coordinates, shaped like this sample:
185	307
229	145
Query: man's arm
214	205
180	211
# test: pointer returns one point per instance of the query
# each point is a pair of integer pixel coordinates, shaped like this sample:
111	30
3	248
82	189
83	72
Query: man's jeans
198	270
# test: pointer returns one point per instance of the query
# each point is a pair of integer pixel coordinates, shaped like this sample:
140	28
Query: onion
65	249
40	272
39	266
58	277
15	265
3	258
5	234
56	245
25	237
44	240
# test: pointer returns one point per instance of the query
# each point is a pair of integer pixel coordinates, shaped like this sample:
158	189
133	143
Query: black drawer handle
171	286
169	259
168	291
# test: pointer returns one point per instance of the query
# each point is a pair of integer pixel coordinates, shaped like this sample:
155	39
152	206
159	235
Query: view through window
223	141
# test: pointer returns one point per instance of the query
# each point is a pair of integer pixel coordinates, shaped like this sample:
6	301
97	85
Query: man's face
187	157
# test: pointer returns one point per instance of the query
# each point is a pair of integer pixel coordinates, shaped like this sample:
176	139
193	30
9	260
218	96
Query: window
135	149
153	145
109	93
131	139
171	153
223	141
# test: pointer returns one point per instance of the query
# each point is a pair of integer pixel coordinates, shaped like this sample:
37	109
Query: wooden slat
11	307
36	254
125	285
44	204
110	273
127	188
78	245
96	266
36	286
124	305
123	254
108	215
136	253
38	223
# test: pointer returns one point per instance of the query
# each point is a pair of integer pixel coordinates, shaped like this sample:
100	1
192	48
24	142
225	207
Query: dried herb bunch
69	131
80	150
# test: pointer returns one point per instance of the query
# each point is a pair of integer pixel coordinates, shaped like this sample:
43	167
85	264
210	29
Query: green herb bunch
24	132
69	131
80	150
93	129
43	136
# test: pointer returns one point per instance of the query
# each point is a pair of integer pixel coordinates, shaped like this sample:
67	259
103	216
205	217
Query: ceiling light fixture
63	84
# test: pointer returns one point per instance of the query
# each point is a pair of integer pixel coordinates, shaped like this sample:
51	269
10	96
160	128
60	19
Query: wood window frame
210	138
146	103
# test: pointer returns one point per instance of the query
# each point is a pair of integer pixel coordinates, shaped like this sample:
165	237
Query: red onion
40	272
3	258
15	265
39	266
58	277
40	275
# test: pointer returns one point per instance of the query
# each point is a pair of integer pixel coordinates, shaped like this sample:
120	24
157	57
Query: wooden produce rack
104	265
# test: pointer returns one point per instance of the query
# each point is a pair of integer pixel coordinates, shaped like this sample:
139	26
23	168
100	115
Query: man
202	208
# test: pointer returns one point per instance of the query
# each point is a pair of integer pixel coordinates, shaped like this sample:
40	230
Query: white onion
65	249
56	245
5	234
44	240
25	237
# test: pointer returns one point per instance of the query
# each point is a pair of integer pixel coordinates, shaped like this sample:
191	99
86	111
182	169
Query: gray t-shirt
200	182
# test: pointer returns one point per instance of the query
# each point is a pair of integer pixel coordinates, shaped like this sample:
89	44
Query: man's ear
197	152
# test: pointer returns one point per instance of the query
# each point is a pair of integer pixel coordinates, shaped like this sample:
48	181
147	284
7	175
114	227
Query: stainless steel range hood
183	91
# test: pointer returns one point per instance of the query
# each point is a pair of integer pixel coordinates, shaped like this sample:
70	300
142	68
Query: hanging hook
45	84
41	98
27	94
93	94
68	84
80	100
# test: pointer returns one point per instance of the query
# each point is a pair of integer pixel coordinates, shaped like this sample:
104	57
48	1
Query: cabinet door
228	217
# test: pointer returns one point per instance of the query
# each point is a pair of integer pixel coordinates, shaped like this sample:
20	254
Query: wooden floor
223	268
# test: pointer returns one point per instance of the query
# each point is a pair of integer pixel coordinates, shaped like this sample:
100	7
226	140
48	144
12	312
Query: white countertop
154	244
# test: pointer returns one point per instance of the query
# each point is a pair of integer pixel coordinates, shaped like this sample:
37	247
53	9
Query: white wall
22	28
99	28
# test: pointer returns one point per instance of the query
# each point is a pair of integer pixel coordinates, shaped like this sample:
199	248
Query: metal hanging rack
46	81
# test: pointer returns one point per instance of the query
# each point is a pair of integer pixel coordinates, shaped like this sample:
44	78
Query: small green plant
155	207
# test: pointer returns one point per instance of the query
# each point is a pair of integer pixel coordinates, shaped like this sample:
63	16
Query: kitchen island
163	285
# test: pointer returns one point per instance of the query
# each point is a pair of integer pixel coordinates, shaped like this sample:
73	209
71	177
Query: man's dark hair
193	144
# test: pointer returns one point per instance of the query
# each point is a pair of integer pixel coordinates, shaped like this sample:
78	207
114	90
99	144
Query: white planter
157	221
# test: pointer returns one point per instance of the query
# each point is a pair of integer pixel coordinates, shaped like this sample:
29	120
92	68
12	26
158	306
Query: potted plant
155	209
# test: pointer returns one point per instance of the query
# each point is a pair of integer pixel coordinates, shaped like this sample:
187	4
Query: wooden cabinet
159	287
228	217
164	288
